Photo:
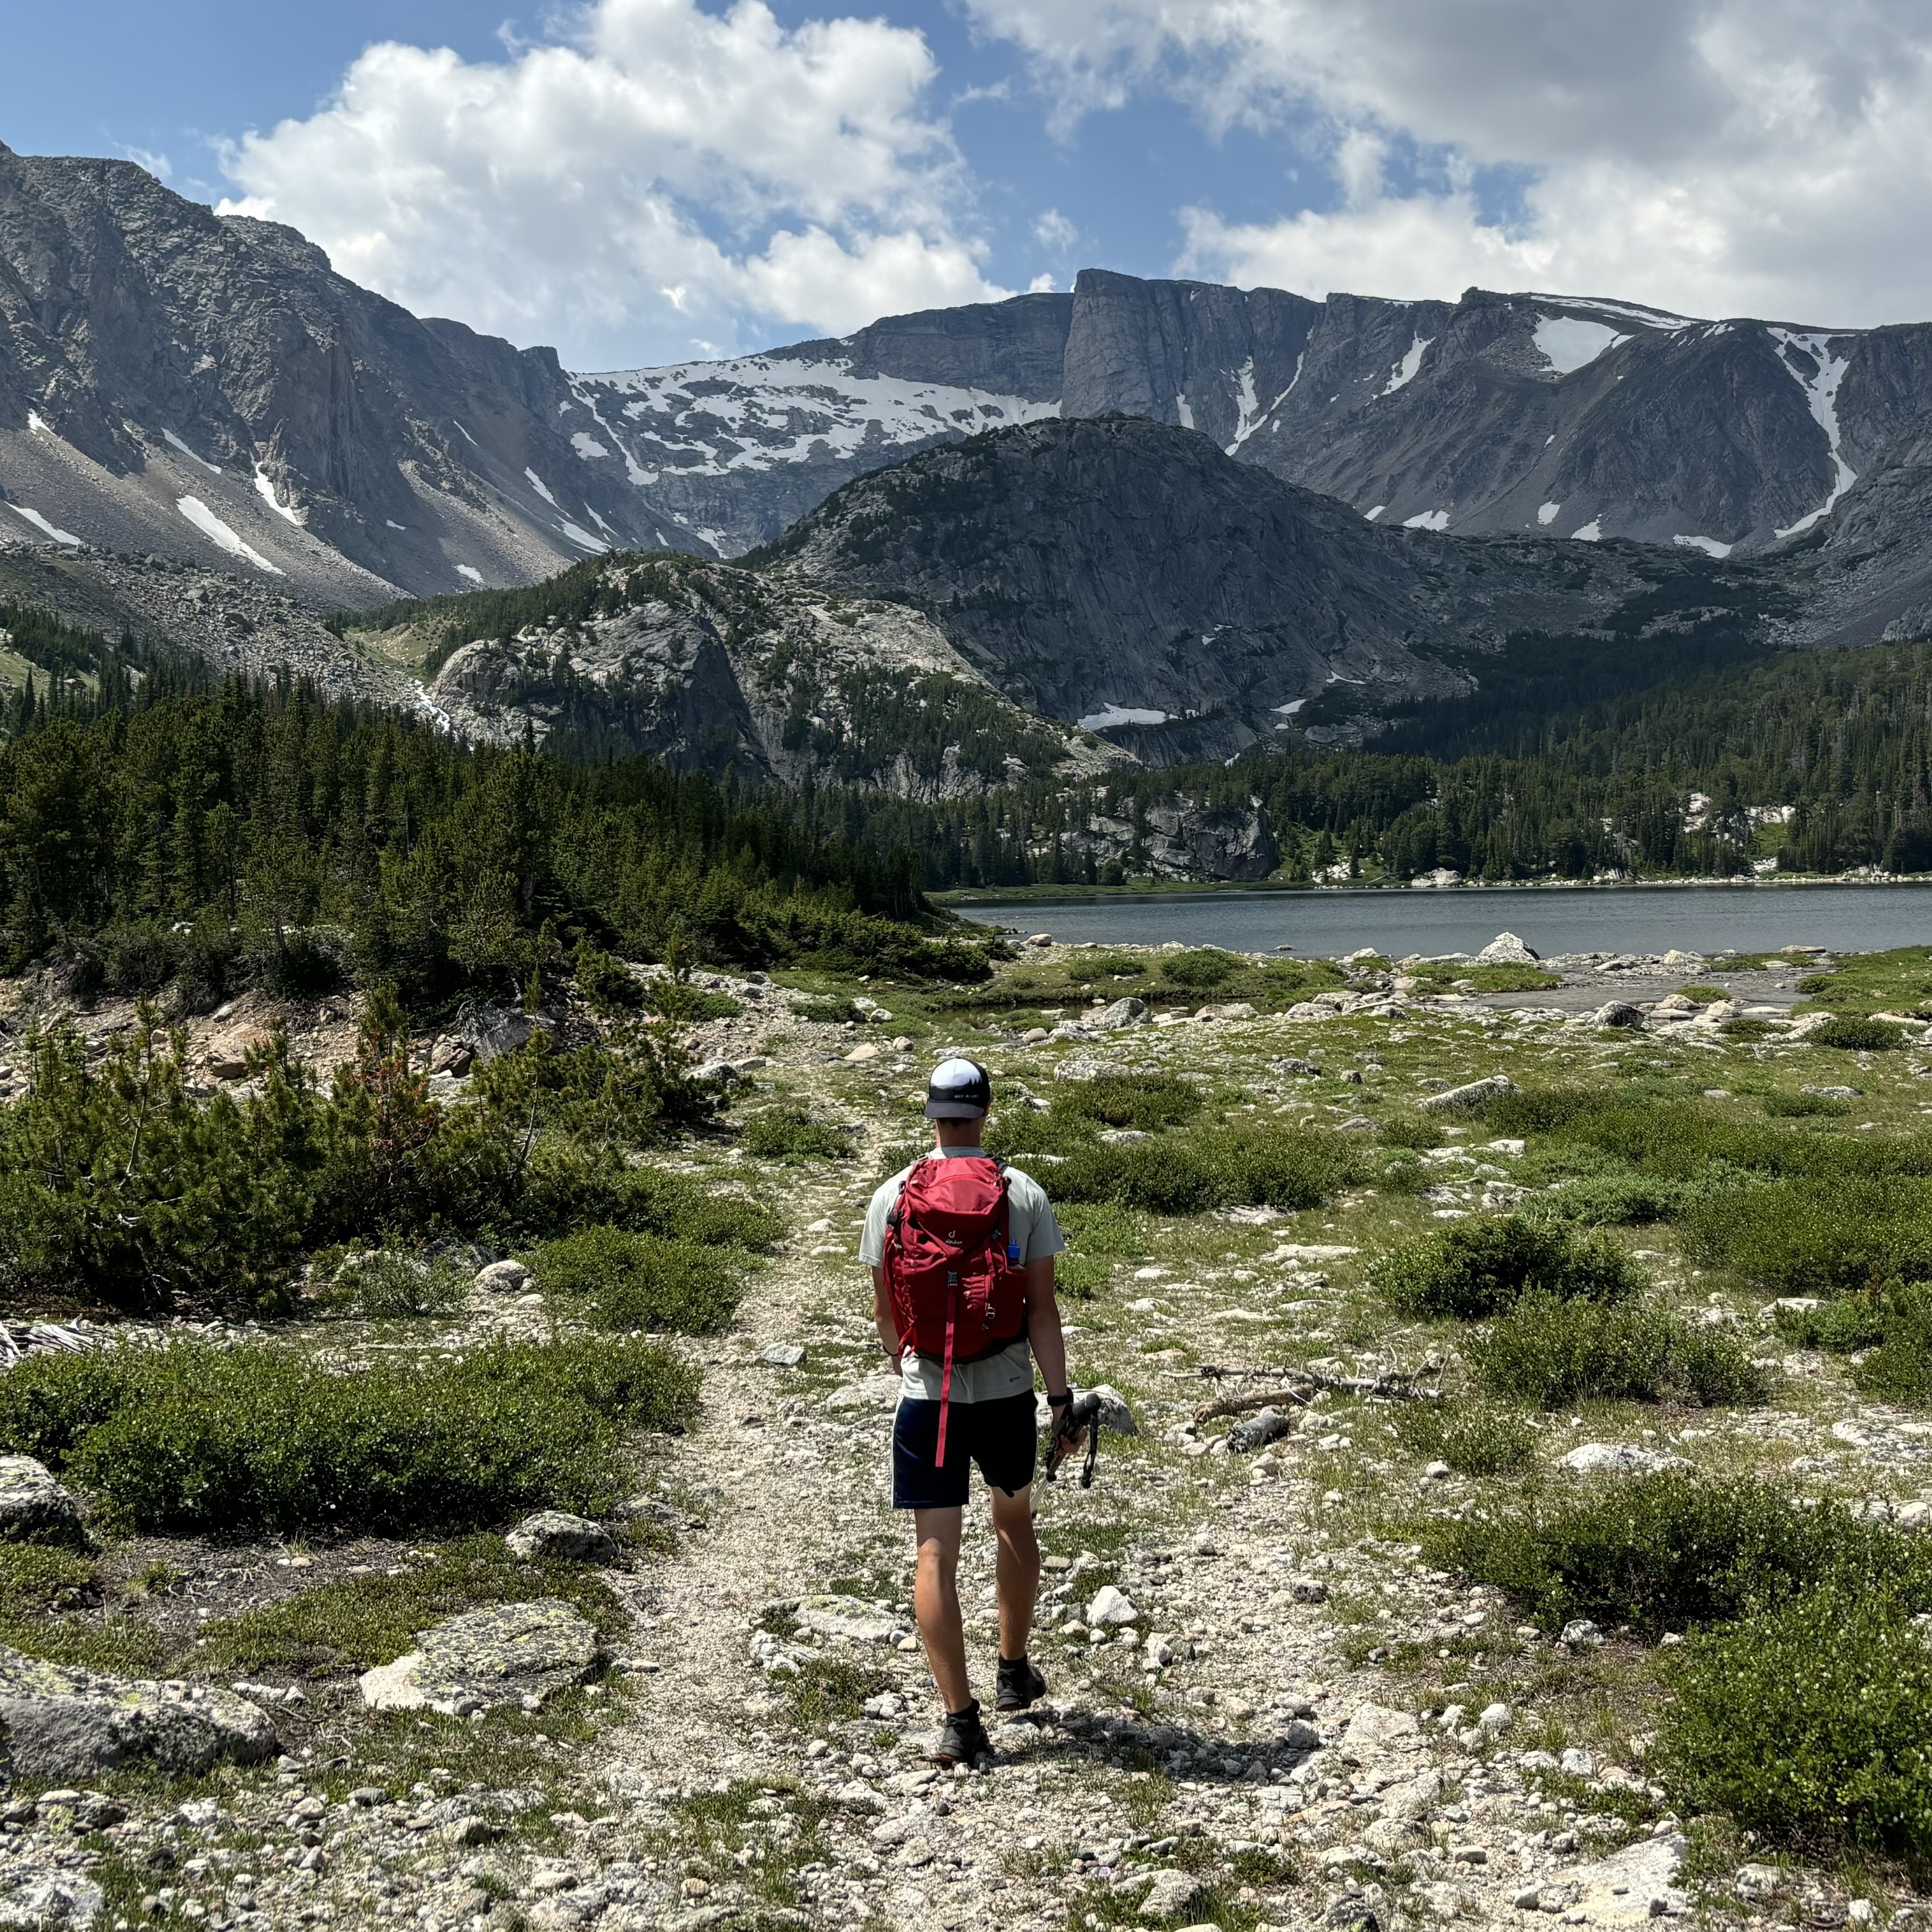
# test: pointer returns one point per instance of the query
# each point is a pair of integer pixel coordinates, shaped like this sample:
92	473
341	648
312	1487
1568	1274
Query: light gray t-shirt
1031	1228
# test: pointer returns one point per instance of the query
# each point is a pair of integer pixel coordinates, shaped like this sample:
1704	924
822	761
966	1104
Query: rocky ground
1264	1708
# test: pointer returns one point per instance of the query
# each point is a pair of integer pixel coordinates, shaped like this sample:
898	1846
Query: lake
1552	919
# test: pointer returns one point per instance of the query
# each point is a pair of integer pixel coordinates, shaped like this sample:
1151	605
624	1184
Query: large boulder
568	1539
34	1508
59	1724
1460	1099
1506	950
36	1898
1124	1012
508	1654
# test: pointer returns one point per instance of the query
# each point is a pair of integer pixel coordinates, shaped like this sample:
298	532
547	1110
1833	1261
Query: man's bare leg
935	1601
1017	1570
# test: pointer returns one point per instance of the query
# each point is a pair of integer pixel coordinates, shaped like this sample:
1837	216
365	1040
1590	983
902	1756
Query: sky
644	182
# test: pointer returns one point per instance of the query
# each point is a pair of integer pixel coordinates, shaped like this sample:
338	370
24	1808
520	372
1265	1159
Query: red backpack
958	1289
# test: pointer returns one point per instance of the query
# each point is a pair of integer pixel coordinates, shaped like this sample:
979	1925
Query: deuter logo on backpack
958	1290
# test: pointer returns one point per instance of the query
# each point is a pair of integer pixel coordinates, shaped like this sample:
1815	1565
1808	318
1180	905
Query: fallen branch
1242	1405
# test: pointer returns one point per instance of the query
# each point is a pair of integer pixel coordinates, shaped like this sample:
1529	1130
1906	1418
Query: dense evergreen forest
158	828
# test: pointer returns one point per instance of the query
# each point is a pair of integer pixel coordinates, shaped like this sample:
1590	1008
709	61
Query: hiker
962	1249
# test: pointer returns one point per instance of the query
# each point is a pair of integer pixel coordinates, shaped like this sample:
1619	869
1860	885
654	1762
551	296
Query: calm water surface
1630	919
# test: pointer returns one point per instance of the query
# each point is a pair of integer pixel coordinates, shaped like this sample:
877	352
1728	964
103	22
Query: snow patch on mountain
217	532
41	524
1569	343
266	489
1427	520
1404	372
1821	390
1710	546
175	443
759	411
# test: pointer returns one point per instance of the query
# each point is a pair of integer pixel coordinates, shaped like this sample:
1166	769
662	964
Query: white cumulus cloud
653	178
1715	156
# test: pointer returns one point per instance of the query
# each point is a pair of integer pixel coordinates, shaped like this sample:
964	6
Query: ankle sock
972	1710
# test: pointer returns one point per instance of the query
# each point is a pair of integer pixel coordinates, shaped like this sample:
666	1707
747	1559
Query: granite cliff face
207	389
1136	580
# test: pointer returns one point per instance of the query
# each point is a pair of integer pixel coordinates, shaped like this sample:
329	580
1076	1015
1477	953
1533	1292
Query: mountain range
1169	517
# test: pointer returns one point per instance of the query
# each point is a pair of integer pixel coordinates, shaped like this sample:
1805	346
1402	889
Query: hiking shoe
1020	1685
964	1740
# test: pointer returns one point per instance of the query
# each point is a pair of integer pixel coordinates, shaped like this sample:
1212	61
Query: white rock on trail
1111	1606
554	1535
508	1654
1618	1459
849	1617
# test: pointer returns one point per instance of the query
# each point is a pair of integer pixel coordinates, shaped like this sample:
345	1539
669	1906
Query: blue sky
643	181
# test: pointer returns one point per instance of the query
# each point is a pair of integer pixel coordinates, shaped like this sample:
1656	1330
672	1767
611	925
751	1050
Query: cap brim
953	1110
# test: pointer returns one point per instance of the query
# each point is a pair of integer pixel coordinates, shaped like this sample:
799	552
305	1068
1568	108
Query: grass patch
1148	1101
1663	1552
1481	1267
1555	1353
827	1689
48	1601
196	1439
1858	1036
1799	1237
390	1283
1811	1723
1439	977
1782	1105
369	1620
826	1012
1474	1438
791	1133
620	1282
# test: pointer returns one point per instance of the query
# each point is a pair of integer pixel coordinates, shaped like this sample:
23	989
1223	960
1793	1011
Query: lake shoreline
1235	888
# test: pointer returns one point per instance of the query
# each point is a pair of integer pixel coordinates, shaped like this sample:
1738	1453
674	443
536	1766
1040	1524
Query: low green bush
1201	970
198	1439
1192	1174
1853	1322
1556	1352
1481	1266
1857	1036
619	1281
1474	1438
791	1133
1667	1551
834	1011
1810	1724
648	1200
1900	1368
390	1282
1608	1200
1801	1236
1148	1101
1783	1105
1416	1131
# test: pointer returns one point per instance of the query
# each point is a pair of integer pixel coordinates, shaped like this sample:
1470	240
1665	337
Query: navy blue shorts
1002	1437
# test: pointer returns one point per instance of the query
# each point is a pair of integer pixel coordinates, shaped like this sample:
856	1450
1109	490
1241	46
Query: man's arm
1047	1340
882	1312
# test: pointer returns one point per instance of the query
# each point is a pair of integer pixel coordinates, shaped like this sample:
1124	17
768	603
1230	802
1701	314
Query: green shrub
1800	1237
1701	993
1479	1267
1855	1321
1809	1723
197	1439
1611	1200
618	1281
791	1133
826	1012
1783	1105
391	1282
1556	1352
1666	1551
649	1200
1201	970
1081	1277
1410	1130
1472	1437
1192	1174
1857	1036
1900	1368
1147	1101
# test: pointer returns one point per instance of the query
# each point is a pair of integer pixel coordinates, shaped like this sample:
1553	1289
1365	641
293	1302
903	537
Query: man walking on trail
962	1249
